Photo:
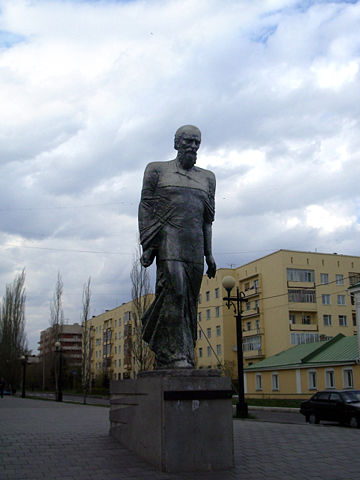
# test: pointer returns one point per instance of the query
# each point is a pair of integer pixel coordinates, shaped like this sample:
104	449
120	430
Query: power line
27	209
73	250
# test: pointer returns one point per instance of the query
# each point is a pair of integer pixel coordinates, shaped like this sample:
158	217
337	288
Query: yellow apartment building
112	337
293	298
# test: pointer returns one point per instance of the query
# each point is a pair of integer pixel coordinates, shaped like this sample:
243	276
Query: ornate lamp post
23	360
229	283
58	352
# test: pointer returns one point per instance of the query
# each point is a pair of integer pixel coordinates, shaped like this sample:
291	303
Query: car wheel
313	419
354	422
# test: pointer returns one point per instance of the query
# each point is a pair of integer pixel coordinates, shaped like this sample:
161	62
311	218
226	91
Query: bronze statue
175	216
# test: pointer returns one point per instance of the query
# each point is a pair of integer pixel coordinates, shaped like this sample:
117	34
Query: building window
207	296
342	321
200	334
209	351
341	300
325	299
258	381
247	286
208	332
248	326
348	378
324	278
217	292
339	279
217	312
256	284
299	275
257	324
312	379
218	330
329	378
300	338
200	352
275	381
115	323
292	318
327	320
306	319
218	349
208	314
252	343
115	336
302	296
199	316
115	350
354	319
248	305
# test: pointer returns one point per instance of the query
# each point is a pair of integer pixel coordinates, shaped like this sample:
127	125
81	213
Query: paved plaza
48	440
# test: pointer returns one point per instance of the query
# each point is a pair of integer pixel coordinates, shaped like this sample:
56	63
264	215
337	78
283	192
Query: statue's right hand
147	258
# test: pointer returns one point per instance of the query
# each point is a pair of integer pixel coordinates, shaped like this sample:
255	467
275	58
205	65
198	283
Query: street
53	441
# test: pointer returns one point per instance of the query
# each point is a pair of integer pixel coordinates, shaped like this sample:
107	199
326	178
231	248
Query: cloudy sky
91	91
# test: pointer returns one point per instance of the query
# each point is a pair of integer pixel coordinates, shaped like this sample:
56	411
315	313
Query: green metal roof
338	349
346	349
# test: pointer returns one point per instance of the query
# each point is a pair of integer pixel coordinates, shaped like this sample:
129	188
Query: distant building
114	343
304	369
70	337
293	298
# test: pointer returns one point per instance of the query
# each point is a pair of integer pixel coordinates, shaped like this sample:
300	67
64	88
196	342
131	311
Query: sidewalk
50	440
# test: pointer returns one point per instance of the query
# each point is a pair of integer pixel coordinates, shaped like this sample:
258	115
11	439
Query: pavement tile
71	442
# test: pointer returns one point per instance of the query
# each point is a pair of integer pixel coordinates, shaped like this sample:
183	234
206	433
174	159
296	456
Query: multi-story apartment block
292	298
113	343
70	337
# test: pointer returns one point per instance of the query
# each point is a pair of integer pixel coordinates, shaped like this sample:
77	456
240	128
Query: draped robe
175	205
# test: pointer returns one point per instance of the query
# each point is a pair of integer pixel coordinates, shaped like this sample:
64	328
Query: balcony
301	306
258	353
252	332
70	339
292	284
252	292
312	327
252	312
67	348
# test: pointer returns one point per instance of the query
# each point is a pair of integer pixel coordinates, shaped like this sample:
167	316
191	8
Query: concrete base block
178	420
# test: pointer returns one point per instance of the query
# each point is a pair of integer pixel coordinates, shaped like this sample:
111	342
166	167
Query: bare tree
56	309
56	319
13	342
141	299
86	339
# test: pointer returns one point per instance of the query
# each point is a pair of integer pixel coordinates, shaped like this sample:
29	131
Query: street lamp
23	360
229	283
58	352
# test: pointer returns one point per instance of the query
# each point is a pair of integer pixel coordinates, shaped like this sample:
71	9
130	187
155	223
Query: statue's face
187	146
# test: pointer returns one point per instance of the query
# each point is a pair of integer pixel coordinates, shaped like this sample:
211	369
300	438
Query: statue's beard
188	159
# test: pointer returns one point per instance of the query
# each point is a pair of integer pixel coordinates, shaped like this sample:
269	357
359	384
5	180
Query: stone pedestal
178	420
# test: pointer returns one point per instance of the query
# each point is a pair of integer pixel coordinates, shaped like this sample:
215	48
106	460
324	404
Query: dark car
336	405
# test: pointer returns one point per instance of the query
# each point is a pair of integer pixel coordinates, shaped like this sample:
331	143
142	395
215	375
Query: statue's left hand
147	257
211	271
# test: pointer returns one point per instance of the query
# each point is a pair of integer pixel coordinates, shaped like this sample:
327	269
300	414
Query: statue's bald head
190	130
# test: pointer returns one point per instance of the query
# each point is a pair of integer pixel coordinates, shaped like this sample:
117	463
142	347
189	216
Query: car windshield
353	396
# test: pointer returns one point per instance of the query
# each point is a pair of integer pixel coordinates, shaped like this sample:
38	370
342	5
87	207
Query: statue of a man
175	216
